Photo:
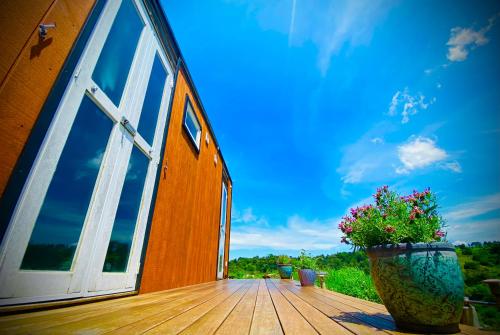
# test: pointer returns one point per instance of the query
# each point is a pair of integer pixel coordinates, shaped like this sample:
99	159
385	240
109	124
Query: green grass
353	282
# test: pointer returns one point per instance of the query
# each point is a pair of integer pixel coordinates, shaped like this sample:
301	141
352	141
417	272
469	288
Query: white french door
79	224
222	233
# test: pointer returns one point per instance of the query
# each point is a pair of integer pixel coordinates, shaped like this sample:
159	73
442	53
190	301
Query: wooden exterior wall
183	241
29	66
184	236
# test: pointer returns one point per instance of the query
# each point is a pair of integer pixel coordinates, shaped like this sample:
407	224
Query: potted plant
416	273
307	269
285	267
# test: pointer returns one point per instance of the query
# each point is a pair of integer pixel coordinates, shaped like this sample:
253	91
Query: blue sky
317	103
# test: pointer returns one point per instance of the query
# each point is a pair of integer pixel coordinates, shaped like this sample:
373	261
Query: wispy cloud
247	216
463	40
405	104
292	22
331	26
474	208
298	233
369	159
377	140
466	224
452	166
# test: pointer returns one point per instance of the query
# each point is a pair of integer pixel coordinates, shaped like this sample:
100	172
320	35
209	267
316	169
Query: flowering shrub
394	219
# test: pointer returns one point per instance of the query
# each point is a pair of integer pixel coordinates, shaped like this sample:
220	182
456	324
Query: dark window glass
152	101
59	224
114	62
126	214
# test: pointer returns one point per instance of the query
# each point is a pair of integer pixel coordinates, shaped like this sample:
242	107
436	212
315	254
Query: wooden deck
224	307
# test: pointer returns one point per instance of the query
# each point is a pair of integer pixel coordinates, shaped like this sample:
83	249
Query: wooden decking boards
224	307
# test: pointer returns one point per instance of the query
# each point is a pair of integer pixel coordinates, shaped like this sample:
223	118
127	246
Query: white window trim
196	139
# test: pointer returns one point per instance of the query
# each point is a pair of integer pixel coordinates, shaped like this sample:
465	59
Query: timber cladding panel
29	66
184	235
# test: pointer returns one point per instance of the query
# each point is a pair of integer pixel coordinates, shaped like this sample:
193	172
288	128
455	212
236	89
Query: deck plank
318	320
291	320
152	320
366	302
107	321
265	319
4	319
56	318
354	325
184	320
356	303
211	321
240	319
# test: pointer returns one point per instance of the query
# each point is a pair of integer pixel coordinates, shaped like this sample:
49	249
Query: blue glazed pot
285	271
420	284
307	277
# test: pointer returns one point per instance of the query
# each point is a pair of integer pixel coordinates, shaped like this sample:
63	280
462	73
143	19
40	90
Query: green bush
471	265
489	317
353	282
283	259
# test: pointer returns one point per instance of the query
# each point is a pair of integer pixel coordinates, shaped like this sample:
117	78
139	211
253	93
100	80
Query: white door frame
221	252
86	277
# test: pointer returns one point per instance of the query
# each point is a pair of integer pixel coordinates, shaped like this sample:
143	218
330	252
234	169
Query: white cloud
419	153
463	40
405	104
298	233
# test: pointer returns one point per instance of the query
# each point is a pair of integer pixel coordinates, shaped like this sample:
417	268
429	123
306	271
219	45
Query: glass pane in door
113	65
58	226
126	215
222	237
152	101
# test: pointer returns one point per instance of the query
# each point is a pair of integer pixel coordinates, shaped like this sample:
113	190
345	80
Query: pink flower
390	229
412	216
348	230
439	234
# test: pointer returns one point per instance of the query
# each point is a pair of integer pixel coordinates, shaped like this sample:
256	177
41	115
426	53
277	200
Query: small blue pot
285	271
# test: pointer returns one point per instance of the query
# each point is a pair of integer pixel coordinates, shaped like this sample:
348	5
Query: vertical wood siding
184	236
29	67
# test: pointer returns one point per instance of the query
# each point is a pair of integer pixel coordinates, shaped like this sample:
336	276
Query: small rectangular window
191	124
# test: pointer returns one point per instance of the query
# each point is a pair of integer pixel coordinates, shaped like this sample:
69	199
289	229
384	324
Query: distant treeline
256	267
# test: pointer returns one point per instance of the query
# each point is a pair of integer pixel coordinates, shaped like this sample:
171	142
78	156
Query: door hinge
128	127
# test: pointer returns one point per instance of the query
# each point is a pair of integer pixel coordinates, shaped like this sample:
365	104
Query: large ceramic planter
420	284
307	277
285	271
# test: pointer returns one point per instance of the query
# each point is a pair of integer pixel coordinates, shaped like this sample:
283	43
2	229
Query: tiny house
111	178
